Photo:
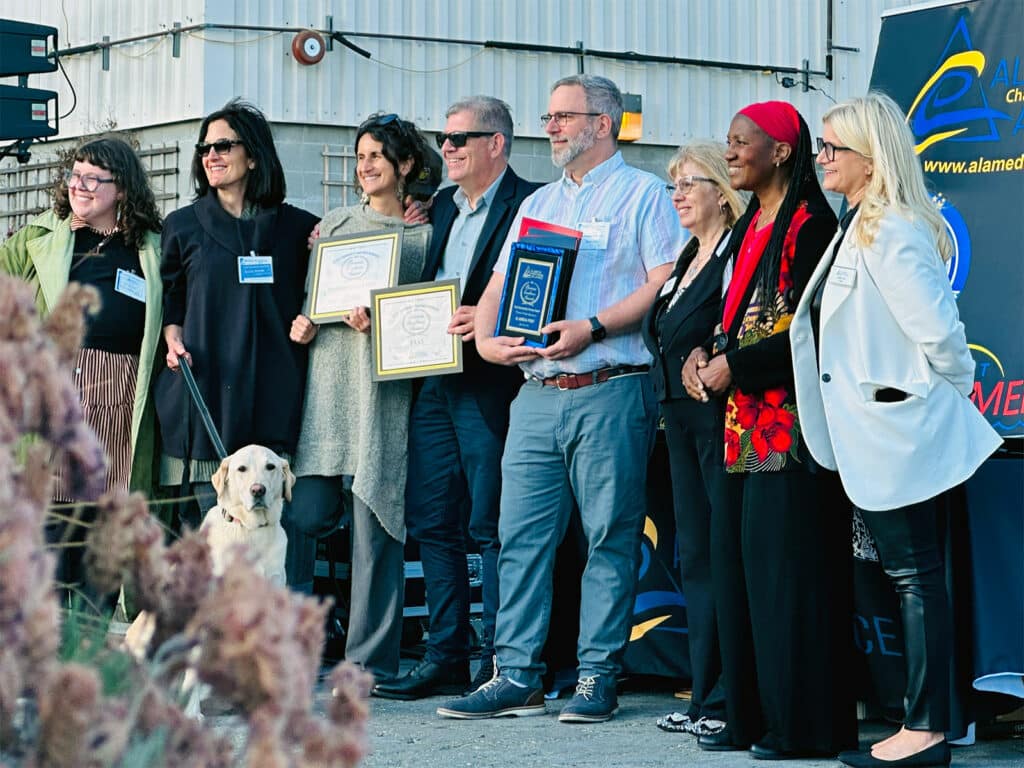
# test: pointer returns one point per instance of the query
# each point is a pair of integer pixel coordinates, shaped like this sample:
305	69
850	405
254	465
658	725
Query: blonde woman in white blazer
882	375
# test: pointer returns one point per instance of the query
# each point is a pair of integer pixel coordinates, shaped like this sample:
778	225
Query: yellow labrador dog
252	485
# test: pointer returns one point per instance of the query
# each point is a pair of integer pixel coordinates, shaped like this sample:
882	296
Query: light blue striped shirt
643	233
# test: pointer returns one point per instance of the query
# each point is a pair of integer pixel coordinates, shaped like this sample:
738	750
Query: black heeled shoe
935	756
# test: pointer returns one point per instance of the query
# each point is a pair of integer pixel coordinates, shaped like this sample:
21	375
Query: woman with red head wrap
779	559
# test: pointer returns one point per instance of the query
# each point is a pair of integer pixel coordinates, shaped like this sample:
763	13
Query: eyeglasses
830	149
220	146
685	184
89	182
458	139
563	117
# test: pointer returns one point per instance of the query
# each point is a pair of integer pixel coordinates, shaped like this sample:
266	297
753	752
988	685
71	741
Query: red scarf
753	245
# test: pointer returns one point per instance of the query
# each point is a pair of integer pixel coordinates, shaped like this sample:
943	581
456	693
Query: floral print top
762	429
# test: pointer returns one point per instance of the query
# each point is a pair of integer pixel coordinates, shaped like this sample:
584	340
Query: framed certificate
346	269
409	330
535	291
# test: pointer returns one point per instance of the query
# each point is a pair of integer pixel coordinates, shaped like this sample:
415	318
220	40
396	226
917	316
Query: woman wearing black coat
683	317
234	270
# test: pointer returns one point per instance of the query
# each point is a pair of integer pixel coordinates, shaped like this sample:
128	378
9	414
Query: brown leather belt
601	375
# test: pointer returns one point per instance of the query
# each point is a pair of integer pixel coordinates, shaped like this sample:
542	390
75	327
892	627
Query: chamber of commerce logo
953	104
960	263
999	398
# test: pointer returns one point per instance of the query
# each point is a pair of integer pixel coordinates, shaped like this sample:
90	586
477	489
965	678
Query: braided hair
803	186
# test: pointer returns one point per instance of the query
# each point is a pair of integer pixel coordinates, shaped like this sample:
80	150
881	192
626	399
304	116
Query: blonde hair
875	127
710	156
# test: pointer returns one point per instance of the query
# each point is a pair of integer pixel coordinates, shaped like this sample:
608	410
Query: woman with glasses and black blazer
352	452
682	317
234	271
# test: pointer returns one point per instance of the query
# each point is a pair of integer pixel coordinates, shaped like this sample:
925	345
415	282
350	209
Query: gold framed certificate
346	269
409	330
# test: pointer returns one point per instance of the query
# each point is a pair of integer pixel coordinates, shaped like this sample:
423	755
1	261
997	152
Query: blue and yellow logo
953	104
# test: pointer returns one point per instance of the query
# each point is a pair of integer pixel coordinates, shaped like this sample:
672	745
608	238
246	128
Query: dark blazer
494	386
672	337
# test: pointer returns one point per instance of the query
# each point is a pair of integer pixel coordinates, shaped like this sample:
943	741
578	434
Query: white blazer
888	320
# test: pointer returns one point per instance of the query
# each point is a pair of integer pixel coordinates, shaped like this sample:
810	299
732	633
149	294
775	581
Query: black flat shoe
426	679
768	749
720	742
935	756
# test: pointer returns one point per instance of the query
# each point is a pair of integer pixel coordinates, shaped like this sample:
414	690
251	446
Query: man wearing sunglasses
582	424
457	431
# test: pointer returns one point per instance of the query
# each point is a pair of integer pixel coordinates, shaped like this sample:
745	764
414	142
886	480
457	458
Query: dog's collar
229	518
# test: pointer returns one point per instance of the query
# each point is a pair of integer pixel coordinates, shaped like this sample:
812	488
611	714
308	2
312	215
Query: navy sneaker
594	702
499	697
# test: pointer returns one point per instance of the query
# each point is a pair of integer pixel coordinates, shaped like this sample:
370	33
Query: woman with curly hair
352	451
103	231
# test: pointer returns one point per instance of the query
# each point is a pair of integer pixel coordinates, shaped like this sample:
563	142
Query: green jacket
40	253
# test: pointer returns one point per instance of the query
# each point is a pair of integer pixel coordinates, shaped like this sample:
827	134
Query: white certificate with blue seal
409	330
344	271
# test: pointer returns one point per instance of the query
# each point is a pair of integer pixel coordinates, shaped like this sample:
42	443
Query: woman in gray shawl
353	442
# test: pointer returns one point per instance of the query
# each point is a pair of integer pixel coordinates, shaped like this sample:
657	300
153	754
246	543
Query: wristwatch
597	331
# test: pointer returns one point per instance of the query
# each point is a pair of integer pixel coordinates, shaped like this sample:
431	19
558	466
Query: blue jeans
590	444
454	469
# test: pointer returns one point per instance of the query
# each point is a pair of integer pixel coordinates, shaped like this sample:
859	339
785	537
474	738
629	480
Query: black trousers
66	538
907	540
701	489
782	575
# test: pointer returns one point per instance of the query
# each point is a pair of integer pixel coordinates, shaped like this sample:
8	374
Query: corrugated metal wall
145	85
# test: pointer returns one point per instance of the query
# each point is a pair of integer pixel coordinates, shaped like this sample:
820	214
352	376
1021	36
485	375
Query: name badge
844	276
130	285
669	286
595	235
253	269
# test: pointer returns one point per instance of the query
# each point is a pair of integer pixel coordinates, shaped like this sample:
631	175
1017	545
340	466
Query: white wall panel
145	85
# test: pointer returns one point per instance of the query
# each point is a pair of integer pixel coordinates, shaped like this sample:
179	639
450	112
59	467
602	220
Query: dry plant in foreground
256	645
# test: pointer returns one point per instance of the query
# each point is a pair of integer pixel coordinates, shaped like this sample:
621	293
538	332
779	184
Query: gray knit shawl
350	425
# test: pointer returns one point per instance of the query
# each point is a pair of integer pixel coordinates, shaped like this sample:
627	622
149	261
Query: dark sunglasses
378	120
458	139
220	146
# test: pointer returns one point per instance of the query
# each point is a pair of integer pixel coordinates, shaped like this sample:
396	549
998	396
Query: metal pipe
576	51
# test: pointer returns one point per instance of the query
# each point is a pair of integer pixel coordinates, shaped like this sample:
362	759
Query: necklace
768	216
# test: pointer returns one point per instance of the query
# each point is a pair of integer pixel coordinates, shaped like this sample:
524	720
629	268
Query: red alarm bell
308	47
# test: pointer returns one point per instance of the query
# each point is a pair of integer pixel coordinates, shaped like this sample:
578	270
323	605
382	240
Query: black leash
204	412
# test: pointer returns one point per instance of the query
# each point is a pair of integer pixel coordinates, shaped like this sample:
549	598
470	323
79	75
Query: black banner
958	72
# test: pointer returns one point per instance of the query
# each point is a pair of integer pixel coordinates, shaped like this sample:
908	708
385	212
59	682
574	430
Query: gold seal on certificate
346	269
409	330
